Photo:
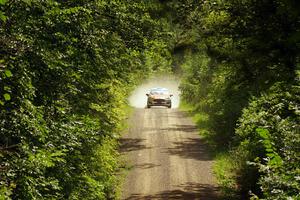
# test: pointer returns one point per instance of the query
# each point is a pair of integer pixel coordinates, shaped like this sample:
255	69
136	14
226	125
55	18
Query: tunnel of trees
67	68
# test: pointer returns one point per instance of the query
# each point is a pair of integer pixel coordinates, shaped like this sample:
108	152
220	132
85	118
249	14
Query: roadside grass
224	170
127	112
224	164
123	166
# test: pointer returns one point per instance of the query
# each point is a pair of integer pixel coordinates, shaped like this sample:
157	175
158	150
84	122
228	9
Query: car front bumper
159	102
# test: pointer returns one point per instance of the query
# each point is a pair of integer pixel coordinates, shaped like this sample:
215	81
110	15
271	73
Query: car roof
159	88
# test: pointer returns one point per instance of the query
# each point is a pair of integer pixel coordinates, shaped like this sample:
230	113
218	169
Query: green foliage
2	15
224	170
269	137
66	69
235	52
275	159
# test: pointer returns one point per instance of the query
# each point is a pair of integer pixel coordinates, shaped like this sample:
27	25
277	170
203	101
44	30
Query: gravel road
169	159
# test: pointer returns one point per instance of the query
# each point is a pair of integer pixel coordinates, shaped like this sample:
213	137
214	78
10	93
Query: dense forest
241	74
67	68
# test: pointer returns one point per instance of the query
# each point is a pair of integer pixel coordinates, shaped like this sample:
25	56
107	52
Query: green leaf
8	73
263	133
1	103
29	2
7	97
276	160
2	16
7	89
2	2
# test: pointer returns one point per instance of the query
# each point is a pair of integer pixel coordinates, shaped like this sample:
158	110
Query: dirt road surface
169	159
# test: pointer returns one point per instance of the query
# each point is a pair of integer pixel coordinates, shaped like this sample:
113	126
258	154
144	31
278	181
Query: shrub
269	136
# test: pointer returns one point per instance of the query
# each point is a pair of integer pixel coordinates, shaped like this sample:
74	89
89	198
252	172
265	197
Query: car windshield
159	92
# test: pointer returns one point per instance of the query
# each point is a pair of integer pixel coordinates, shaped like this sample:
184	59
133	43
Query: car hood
159	96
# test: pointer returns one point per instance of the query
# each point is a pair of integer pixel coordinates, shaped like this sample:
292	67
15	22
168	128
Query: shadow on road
131	144
188	191
190	148
181	128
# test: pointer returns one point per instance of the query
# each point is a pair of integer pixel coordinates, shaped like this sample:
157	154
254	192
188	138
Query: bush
65	71
269	138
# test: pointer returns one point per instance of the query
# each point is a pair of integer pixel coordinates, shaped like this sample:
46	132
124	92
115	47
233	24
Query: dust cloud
138	97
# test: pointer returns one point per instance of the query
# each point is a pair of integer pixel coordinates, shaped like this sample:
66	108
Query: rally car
159	97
